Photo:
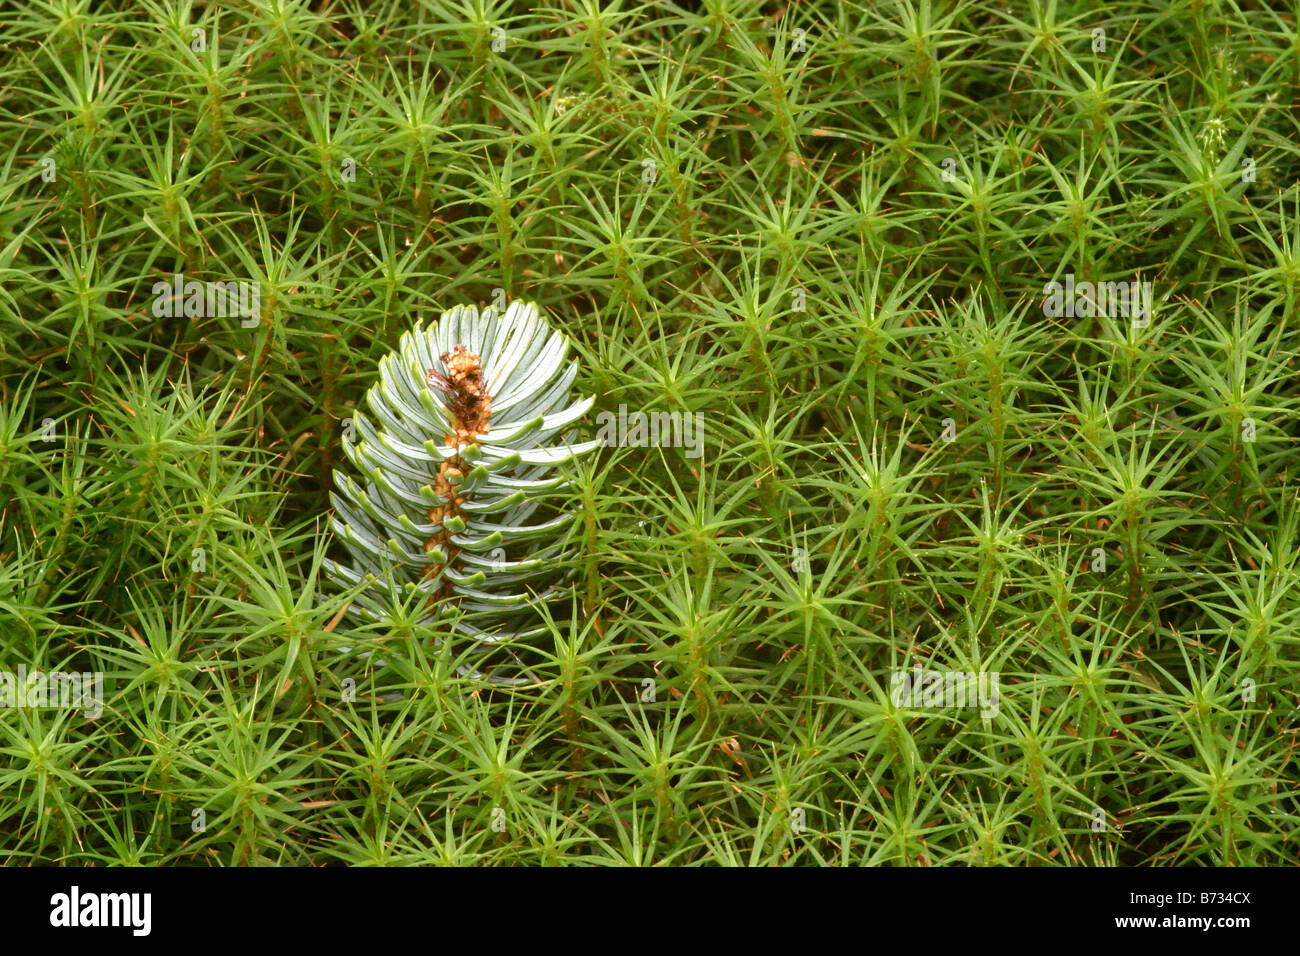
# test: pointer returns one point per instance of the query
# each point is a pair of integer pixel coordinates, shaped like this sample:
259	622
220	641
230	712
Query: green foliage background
727	216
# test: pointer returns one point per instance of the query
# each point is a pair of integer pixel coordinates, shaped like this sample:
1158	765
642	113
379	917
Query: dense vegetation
829	229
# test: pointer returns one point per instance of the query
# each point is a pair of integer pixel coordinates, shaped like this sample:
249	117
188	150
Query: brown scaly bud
465	393
470	407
